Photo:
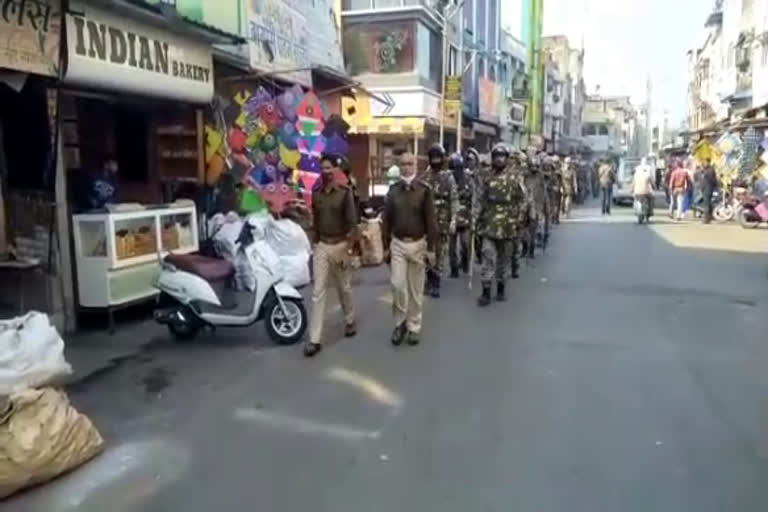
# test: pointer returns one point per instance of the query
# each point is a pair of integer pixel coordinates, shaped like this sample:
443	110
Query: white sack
287	238
31	353
296	269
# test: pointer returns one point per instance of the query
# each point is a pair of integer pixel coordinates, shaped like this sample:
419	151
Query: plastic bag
296	269
225	239
371	244
42	437
287	238
31	353
258	222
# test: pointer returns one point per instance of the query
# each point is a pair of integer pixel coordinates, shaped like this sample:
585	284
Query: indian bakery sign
120	54
29	36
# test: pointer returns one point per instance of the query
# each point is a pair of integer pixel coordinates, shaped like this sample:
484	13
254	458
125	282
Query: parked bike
754	212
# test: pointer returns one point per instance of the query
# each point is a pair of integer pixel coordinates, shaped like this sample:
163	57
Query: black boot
485	298
515	272
454	272
465	264
428	283
398	335
435	291
501	294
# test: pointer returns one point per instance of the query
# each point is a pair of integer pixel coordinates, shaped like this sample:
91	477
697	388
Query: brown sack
371	243
42	437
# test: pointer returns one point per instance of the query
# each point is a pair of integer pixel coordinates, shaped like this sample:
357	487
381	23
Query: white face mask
408	179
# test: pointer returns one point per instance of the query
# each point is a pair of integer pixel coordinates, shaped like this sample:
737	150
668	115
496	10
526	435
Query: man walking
570	186
335	227
709	184
459	246
607	177
498	212
409	231
539	197
678	185
446	198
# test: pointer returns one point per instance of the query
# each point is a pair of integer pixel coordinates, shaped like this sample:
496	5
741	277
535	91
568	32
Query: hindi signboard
29	36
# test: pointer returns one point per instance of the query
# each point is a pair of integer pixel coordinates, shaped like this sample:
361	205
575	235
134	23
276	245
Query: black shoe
312	349
398	334
455	273
435	291
350	330
413	339
501	294
485	298
515	273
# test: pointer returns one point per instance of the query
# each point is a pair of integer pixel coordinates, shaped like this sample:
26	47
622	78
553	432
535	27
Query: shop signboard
453	88
277	40
451	113
116	53
489	94
29	36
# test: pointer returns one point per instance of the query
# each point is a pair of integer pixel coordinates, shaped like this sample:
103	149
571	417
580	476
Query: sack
287	238
31	353
296	269
371	243
42	437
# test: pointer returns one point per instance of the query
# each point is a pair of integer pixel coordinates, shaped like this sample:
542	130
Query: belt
409	239
332	240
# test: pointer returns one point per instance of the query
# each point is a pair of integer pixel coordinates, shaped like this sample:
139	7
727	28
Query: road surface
627	372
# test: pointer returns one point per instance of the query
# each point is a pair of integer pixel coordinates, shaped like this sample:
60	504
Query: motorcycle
200	289
643	209
753	213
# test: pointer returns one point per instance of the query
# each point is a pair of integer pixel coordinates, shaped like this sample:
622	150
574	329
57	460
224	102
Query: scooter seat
210	269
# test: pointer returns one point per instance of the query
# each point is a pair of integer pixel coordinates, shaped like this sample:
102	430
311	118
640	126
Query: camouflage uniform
446	208
500	208
459	251
538	227
555	194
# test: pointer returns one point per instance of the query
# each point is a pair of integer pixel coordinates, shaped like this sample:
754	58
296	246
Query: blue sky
627	40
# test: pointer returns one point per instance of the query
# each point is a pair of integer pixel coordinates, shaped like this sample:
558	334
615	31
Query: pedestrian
409	231
709	183
538	196
555	190
501	208
642	185
678	184
607	177
335	230
570	186
460	239
595	175
446	198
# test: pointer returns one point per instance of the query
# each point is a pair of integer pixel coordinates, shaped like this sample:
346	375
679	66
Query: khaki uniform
409	231
335	220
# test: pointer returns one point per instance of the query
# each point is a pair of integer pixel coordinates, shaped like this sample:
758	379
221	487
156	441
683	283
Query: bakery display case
117	253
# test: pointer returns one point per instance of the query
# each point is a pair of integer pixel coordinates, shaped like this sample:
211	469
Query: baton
471	259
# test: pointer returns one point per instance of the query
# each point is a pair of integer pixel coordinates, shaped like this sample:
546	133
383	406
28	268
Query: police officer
500	208
570	186
555	190
446	197
409	233
459	246
335	228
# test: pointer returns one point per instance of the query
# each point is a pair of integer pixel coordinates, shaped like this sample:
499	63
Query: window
603	129
588	129
481	67
764	56
492	72
356	5
379	47
453	58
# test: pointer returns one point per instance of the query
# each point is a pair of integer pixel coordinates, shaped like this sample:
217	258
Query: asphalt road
626	373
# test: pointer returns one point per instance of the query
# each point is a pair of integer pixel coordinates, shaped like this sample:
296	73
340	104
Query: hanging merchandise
748	155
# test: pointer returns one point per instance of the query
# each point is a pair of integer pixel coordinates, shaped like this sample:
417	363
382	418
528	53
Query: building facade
606	125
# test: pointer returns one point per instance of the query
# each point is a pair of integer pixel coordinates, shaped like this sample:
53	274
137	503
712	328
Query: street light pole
446	17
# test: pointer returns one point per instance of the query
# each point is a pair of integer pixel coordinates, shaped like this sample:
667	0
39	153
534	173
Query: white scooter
203	295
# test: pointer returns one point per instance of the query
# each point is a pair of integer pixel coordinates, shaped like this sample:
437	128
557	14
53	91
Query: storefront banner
277	40
117	53
29	36
453	88
489	94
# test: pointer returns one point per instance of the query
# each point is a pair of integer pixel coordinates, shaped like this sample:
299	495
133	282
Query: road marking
367	385
304	426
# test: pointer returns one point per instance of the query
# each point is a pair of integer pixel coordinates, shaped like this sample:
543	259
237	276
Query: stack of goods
133	243
41	435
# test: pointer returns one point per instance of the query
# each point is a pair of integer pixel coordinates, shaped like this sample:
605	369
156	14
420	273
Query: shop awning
166	16
390	126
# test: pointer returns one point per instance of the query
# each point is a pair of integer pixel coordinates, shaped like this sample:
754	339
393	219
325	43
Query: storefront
29	64
131	133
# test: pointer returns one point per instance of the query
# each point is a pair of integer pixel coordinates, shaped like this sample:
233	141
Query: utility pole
450	13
